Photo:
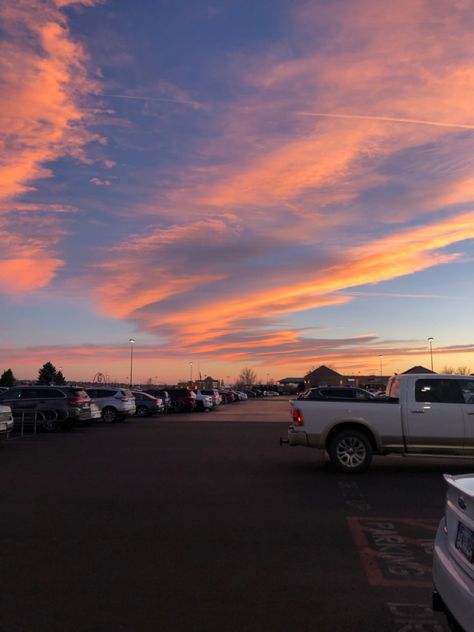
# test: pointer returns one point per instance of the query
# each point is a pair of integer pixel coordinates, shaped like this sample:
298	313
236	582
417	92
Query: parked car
227	397
214	393
161	394
50	406
115	403
182	399
203	402
453	556
6	421
147	405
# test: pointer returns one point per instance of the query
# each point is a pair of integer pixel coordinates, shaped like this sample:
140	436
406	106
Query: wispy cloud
43	75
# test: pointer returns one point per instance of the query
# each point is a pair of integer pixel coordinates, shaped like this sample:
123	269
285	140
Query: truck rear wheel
350	451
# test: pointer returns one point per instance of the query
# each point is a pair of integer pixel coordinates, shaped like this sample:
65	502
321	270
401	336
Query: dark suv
161	394
182	399
50	406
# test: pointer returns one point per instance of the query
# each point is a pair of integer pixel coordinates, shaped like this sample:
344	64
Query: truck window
438	391
394	388
467	390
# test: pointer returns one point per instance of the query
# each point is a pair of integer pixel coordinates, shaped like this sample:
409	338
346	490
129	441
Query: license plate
465	542
3	425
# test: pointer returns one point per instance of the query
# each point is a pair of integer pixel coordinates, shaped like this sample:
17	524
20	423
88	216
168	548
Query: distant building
323	376
418	369
207	383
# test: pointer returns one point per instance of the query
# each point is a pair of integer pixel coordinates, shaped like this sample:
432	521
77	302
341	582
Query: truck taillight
297	417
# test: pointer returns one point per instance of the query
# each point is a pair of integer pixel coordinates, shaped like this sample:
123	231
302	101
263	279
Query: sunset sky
274	184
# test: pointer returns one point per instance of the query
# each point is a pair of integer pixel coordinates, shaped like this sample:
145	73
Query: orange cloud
43	71
22	275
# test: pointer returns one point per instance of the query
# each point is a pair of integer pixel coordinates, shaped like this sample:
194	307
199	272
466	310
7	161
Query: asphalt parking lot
203	522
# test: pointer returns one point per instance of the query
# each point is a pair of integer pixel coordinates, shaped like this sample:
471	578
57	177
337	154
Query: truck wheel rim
351	452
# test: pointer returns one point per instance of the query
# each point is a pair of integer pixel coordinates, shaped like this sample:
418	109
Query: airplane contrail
127	96
387	119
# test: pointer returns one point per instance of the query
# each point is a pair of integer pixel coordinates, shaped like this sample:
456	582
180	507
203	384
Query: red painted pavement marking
372	559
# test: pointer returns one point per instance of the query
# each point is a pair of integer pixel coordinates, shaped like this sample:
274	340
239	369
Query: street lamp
132	342
381	358
430	340
191	372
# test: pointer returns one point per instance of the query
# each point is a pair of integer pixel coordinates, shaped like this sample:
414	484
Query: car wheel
109	415
142	411
350	451
177	405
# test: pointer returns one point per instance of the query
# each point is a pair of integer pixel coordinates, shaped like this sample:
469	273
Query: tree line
47	374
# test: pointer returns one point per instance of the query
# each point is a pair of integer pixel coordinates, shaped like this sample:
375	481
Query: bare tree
461	370
247	376
448	370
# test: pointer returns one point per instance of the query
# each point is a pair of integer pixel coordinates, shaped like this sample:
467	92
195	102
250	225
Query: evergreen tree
59	378
7	378
47	374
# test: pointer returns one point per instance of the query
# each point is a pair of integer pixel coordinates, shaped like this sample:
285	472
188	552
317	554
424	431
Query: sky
275	185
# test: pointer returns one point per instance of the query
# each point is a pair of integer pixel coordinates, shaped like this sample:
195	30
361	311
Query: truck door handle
417	412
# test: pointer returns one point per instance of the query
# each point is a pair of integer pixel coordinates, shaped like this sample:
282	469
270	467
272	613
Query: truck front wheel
350	451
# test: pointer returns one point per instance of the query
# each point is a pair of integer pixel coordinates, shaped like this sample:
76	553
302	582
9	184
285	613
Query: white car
115	403
453	558
214	393
203	402
6	421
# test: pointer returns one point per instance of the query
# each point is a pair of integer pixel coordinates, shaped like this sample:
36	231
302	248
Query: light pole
191	372
381	358
132	342
430	340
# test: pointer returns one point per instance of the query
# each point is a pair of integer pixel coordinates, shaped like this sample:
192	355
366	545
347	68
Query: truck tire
350	451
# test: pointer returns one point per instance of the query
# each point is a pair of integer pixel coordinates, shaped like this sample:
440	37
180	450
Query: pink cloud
38	125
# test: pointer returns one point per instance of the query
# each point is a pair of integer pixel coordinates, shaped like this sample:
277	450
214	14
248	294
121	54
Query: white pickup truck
422	414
